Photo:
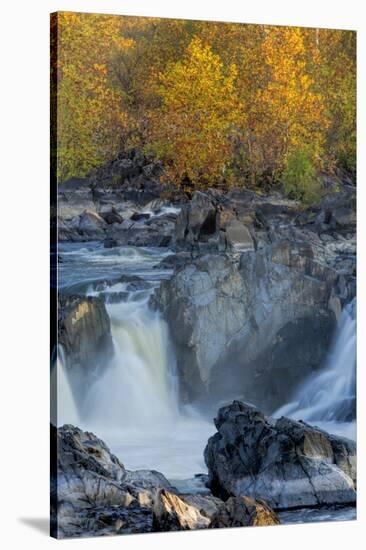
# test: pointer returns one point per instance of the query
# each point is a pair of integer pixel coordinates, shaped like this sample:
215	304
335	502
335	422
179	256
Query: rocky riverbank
93	494
256	466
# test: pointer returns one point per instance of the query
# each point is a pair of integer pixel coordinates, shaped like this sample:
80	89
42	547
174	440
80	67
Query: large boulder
287	464
236	325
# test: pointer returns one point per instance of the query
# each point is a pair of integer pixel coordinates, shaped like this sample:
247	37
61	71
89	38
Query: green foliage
299	177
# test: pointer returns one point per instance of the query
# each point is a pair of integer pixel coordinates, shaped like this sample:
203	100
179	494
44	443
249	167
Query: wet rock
84	333
91	225
172	513
244	512
287	464
138	216
110	243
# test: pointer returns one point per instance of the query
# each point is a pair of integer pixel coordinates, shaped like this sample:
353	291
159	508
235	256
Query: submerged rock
287	464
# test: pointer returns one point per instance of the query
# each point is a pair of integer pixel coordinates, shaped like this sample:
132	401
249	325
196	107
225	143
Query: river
134	404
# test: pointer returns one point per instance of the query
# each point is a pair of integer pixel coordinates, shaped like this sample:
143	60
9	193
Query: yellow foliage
217	102
199	110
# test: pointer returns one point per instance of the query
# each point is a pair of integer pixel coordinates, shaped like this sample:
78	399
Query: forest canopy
217	103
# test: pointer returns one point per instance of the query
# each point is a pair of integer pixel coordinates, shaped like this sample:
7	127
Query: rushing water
328	397
133	405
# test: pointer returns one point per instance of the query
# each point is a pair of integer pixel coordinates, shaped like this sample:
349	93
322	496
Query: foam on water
327	398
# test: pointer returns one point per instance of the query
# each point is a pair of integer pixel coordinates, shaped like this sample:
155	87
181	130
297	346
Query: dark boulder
287	464
112	216
139	216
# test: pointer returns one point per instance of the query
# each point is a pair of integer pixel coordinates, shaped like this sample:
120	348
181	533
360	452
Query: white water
67	412
162	211
328	398
139	387
133	405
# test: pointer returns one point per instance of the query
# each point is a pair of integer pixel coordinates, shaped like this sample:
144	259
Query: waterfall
132	402
330	394
138	387
66	411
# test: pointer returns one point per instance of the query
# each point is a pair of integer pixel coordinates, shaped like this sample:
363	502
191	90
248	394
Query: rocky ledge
287	464
84	331
93	494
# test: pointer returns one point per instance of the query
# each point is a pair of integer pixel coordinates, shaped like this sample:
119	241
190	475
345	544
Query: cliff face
252	311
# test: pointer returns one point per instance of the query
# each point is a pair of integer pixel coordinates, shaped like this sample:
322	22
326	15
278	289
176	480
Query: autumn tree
290	112
192	129
90	118
219	103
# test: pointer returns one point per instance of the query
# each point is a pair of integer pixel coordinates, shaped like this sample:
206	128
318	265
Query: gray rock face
239	323
238	236
287	464
84	332
196	222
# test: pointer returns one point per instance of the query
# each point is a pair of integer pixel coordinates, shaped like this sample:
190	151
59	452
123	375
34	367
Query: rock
74	196
344	217
174	261
138	216
86	482
287	464
93	494
171	513
238	236
207	504
110	242
84	332
244	512
112	216
146	485
91	225
196	222
236	326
